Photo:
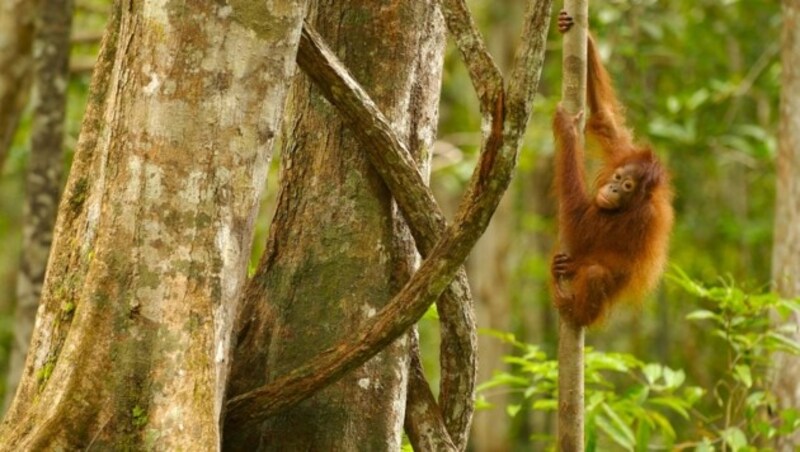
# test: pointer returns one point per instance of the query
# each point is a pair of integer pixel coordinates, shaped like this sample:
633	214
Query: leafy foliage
628	402
635	405
743	412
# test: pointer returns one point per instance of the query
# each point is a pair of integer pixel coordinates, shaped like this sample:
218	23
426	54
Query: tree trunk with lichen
337	244
43	177
131	344
785	261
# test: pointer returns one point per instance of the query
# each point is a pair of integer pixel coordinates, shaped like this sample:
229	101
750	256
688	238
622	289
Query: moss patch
79	194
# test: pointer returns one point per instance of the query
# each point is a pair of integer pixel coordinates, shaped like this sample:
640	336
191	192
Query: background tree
43	180
16	60
785	261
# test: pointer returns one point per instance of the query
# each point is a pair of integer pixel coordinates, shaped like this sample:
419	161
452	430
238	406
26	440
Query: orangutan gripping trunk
617	237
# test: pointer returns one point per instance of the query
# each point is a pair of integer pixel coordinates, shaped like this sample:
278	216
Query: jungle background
700	80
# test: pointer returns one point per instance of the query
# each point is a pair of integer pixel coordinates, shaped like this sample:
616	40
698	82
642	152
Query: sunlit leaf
643	436
677	405
742	374
734	437
701	314
622	436
674	378
512	410
789	344
545	405
652	372
664	425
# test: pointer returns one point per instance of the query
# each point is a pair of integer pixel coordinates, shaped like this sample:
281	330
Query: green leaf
692	394
431	313
756	400
545	405
663	424
642	436
675	404
763	428
704	446
790	420
790	345
742	374
638	394
652	372
512	410
482	404
701	314
610	361
793	305
615	427
522	362
698	98
735	438
674	378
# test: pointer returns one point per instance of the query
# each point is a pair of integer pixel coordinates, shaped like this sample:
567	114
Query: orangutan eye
617	176
628	185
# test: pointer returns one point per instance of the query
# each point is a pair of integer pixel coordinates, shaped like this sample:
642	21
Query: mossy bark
131	344
337	238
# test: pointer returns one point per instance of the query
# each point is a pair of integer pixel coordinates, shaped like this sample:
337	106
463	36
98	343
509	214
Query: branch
404	310
489	181
392	160
424	424
484	73
505	120
571	337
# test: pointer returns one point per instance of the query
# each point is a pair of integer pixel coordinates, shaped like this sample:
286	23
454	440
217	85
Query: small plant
139	416
634	405
742	322
628	402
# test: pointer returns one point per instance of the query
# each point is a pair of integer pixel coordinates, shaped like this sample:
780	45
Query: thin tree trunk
43	179
16	65
571	337
786	248
151	245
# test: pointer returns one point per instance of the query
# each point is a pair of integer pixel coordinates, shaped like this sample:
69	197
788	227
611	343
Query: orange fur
611	254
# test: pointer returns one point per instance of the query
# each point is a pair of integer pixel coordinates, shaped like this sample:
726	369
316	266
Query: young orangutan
617	240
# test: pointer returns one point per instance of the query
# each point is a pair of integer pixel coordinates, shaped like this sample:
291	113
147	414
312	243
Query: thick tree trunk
43	179
16	64
786	249
337	238
131	344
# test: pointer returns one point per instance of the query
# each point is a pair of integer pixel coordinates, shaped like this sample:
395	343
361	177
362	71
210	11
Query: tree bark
336	237
506	114
425	220
786	249
571	337
43	177
153	235
16	65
